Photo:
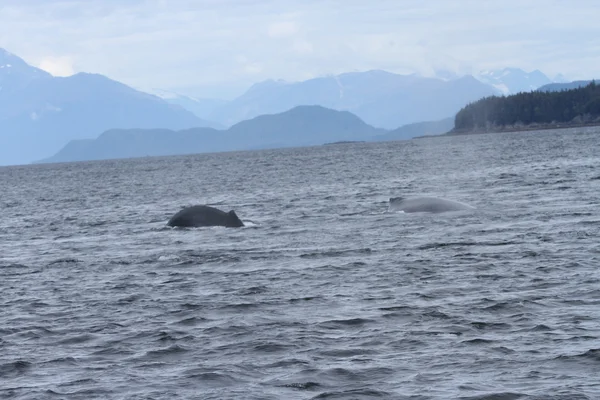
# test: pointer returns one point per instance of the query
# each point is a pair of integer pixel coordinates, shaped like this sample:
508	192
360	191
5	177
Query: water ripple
325	295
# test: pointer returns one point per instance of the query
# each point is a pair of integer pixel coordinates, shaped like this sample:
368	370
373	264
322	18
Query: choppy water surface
324	294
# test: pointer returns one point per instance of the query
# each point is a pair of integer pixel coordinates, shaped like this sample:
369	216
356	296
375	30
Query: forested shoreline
530	111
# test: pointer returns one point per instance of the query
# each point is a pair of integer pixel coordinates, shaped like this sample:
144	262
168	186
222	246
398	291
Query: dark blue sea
324	294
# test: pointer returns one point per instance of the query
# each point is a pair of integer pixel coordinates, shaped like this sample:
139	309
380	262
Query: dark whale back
201	215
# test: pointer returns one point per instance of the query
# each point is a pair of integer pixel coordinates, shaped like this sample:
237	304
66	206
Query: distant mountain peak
10	60
265	85
511	80
446	75
40	113
6	55
380	98
560	78
170	95
15	73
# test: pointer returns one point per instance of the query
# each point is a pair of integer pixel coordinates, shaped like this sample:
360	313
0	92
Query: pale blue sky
223	46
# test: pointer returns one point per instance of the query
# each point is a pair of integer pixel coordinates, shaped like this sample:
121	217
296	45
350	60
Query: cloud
253	68
57	66
302	47
168	44
282	29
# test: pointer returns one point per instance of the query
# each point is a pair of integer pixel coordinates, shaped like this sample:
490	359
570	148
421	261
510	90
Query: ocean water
324	294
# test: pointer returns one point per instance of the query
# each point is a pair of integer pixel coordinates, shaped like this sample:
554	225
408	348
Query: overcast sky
220	47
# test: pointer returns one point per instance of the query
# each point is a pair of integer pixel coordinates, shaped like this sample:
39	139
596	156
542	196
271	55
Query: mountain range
513	80
40	114
380	98
557	87
300	126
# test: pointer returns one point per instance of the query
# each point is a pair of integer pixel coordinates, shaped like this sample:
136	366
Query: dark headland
528	111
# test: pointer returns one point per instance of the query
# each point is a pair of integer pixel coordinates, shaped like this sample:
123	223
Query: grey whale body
426	204
201	215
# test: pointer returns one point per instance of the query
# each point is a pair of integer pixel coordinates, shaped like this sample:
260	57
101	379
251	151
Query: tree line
581	105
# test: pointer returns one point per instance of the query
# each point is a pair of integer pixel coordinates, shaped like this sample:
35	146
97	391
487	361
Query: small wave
481	325
64	261
170	257
86	337
130	299
174	350
79	382
465	243
352	322
13	266
95	393
192	321
63	360
250	224
302	385
495	396
430	246
11	204
342	353
435	314
210	377
108	327
14	368
592	355
191	306
242	306
336	253
541	328
478	341
308	298
507	175
252	290
271	347
17	270
503	350
30	332
195	256
396	308
164	336
94	224
112	351
354	394
500	306
293	362
34	304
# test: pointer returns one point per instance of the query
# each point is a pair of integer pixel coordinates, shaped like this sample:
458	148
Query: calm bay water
324	294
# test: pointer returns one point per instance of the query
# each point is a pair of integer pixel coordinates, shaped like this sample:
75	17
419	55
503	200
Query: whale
426	205
202	215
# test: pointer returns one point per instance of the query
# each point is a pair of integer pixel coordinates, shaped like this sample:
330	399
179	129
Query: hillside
557	87
300	126
417	129
533	109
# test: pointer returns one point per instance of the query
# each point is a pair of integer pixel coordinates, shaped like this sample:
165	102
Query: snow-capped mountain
16	73
380	98
513	80
40	113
